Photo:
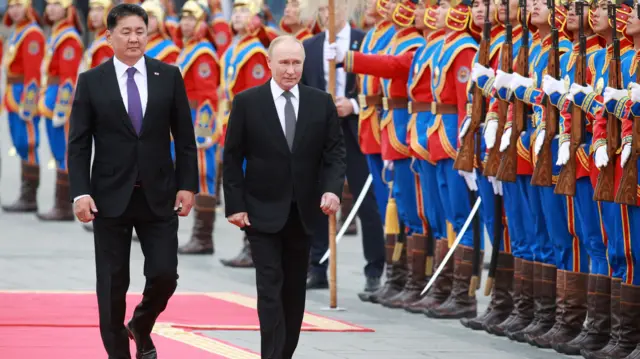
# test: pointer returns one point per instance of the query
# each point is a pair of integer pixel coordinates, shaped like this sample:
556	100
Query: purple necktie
133	97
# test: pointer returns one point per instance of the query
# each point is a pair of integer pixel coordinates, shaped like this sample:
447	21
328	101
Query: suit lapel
304	114
320	56
154	83
110	81
271	119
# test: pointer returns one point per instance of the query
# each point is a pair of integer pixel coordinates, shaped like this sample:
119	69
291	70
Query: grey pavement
38	256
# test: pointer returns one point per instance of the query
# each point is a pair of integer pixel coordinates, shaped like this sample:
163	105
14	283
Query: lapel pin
155	73
354	46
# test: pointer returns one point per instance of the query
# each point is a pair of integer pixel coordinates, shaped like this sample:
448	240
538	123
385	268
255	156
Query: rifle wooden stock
543	171
494	156
628	190
605	187
465	159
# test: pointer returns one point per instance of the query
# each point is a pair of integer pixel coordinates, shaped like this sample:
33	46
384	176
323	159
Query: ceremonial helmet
199	9
71	12
254	6
459	15
381	7
561	16
30	14
156	9
623	13
106	5
430	13
404	13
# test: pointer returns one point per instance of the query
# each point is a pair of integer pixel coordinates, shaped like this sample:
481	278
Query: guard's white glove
505	141
563	154
58	121
503	80
479	70
465	127
518	80
601	157
497	185
626	153
334	52
539	142
579	93
471	179
635	92
388	165
490	131
613	94
551	85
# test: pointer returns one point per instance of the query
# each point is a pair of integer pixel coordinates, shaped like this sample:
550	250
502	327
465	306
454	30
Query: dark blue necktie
134	103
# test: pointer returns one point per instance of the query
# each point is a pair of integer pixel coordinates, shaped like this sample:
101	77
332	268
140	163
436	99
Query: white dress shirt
343	39
281	101
140	77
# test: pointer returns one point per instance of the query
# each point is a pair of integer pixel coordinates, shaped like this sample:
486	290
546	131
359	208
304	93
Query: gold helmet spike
154	8
64	3
106	4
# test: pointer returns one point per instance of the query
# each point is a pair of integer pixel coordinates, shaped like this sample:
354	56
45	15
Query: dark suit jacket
99	114
276	176
313	71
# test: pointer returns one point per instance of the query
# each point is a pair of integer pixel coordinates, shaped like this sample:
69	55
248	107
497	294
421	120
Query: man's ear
108	35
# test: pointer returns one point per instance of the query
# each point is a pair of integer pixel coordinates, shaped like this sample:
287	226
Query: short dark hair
124	10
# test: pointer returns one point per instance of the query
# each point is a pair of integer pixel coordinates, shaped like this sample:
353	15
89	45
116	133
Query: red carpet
211	311
82	343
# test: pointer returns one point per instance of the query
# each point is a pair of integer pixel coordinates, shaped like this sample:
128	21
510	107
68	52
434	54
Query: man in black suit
315	74
129	106
291	140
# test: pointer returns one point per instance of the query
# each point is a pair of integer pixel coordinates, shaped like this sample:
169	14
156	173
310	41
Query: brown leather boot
595	334
525	303
629	322
243	259
501	303
441	287
544	303
399	275
459	304
27	202
389	245
499	328
345	208
416	263
201	241
570	313
614	333
62	208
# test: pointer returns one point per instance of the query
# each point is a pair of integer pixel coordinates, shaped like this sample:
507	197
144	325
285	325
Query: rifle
506	64
605	188
509	165
495	244
566	184
466	152
543	171
628	190
476	261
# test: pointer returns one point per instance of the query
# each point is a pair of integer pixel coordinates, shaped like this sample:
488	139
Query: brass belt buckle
362	99
434	108
410	107
385	103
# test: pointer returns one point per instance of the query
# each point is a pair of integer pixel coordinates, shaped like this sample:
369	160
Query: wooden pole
333	271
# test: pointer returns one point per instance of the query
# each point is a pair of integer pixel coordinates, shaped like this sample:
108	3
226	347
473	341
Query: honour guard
221	27
292	23
22	64
200	69
60	71
590	99
243	65
160	45
99	51
171	21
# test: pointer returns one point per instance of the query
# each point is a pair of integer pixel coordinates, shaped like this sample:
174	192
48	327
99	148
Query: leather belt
416	107
54	80
193	104
369	100
435	108
391	103
15	79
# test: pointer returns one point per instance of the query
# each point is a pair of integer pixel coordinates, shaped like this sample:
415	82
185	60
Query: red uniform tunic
162	49
100	51
302	34
222	33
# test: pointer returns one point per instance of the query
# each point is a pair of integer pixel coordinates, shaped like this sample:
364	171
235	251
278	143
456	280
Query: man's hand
84	208
563	154
344	106
184	202
334	52
490	132
240	219
330	203
601	157
626	153
539	141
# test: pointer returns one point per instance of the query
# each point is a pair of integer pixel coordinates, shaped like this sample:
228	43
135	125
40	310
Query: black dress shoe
315	281
372	285
144	346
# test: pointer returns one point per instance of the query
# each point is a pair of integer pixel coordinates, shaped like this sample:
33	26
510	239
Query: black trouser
281	261
372	227
159	242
